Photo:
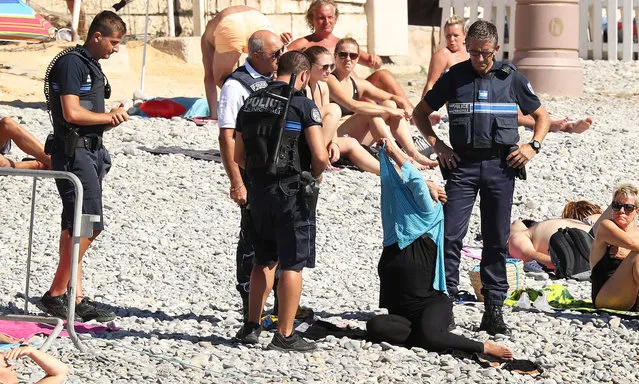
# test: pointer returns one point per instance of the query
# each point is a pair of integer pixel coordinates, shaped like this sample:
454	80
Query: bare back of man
224	40
533	243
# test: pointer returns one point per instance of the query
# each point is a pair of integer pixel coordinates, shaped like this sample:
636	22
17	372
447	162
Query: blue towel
408	212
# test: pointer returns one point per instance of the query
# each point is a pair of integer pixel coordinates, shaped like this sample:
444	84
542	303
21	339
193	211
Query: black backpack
570	251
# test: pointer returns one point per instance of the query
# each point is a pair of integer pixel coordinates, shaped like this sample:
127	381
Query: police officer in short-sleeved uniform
76	88
283	214
482	96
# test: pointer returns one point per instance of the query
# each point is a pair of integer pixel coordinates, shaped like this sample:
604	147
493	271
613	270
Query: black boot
493	320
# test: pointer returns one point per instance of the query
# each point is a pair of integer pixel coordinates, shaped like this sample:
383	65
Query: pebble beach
166	260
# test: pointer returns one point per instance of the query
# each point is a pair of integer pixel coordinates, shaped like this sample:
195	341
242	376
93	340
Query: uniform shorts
90	167
233	32
284	227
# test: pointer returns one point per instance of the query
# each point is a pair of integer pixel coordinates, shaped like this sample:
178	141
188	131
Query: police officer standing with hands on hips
283	212
482	97
76	88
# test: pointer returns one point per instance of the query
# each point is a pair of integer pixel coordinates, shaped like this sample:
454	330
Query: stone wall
286	15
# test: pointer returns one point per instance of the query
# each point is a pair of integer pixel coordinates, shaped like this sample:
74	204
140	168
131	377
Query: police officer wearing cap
485	157
76	88
281	193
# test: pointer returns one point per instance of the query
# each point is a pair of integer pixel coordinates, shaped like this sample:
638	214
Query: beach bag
570	252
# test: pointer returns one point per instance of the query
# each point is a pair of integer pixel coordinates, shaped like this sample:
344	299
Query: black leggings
430	332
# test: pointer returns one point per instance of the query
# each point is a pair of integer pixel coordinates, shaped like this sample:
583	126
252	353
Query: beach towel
560	298
472	252
26	330
209	155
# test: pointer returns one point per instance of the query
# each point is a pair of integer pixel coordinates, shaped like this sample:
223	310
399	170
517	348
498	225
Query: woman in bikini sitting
614	259
322	64
364	121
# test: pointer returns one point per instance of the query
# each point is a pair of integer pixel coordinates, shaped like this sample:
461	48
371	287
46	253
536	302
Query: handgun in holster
310	190
71	141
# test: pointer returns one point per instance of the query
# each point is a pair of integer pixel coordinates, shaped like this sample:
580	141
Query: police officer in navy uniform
264	50
76	88
283	212
485	157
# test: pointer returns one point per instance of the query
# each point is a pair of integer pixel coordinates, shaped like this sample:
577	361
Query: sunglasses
627	208
276	55
326	67
344	55
485	54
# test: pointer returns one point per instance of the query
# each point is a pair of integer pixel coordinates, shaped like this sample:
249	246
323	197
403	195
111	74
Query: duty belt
92	143
498	151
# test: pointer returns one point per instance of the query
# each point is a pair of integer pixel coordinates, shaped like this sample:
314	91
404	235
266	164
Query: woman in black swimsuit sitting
613	256
322	64
365	121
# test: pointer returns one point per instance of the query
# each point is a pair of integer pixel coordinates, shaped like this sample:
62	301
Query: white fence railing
603	32
601	22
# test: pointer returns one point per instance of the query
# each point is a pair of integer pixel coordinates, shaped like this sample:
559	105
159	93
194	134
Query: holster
49	144
70	142
310	190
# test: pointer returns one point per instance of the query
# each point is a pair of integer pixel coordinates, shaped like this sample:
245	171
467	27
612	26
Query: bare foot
498	351
435	118
425	161
578	126
558	125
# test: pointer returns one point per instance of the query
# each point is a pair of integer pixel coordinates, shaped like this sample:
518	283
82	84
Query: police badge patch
316	115
530	88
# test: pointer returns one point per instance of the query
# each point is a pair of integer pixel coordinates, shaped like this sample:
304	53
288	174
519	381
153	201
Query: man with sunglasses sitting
264	50
321	17
483	97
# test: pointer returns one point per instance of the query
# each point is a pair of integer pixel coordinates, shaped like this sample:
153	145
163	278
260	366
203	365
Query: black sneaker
295	342
493	321
55	306
249	333
87	310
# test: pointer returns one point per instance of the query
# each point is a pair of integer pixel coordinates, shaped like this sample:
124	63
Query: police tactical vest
260	122
91	99
483	110
251	84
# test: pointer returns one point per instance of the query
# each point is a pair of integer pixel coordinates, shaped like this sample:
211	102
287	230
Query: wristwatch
535	145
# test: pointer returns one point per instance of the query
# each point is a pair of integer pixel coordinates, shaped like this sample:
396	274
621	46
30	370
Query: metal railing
83	227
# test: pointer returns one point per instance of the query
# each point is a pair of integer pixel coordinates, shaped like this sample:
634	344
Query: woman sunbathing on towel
411	269
322	64
613	256
365	121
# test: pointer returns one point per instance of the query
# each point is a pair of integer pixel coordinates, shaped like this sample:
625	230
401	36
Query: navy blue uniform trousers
495	182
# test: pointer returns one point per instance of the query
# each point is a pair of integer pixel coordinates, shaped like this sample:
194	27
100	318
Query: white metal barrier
599	36
492	10
83	227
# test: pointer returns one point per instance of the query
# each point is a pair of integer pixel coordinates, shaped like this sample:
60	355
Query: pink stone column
547	46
